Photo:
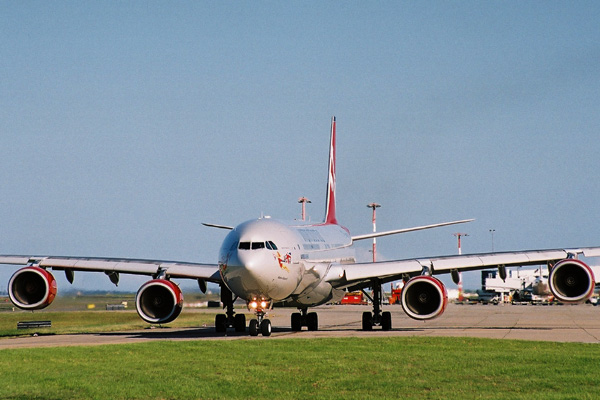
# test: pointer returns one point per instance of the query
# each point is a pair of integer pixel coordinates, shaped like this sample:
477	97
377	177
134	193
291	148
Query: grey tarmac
557	323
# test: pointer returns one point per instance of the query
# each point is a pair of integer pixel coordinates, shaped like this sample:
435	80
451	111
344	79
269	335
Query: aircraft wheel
367	321
312	321
240	323
221	323
253	327
265	327
386	321
296	322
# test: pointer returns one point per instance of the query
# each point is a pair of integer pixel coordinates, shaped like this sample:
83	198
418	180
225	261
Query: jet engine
32	288
571	281
159	301
424	297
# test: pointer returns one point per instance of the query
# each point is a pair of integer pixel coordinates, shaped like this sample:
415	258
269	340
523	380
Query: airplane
268	262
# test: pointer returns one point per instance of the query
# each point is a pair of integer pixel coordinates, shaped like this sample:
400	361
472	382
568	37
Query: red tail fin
330	206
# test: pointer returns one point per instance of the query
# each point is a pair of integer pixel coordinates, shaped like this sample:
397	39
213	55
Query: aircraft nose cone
247	260
251	274
243	274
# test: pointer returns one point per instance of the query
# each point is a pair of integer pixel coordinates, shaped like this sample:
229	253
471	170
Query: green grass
70	314
342	368
91	322
74	302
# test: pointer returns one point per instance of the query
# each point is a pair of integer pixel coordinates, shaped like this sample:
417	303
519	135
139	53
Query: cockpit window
257	245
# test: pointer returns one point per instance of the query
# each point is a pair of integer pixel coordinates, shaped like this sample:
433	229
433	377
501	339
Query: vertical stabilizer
330	206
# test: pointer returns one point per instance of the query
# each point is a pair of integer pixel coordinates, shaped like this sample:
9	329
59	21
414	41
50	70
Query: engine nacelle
32	288
159	301
424	297
571	281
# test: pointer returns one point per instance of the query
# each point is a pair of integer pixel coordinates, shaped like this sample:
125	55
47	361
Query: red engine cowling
571	281
159	301
32	288
424	297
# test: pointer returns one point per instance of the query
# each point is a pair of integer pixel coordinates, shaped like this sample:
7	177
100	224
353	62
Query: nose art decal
223	265
287	259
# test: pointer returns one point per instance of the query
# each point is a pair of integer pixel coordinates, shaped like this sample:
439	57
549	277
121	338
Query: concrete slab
579	323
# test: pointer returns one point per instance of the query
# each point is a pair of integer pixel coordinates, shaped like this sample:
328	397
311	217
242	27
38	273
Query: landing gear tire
296	322
312	321
253	327
367	321
240	323
386	321
221	323
265	327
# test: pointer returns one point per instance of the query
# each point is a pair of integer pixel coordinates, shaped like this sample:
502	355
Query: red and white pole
459	235
374	206
303	200
460	283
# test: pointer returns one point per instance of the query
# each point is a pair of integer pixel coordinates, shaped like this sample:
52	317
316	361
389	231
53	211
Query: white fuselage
267	259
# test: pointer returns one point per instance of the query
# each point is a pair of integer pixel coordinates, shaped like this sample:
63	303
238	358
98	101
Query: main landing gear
230	319
383	319
304	318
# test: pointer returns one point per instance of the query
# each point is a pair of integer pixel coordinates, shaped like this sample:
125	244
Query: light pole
459	235
460	283
492	232
374	206
303	200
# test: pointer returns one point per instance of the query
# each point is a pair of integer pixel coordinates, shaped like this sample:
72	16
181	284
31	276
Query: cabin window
244	246
311	236
258	245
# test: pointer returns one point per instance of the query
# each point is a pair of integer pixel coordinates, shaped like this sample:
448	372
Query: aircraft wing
174	269
361	274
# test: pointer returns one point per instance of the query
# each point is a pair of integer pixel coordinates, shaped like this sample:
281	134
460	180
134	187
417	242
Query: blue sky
126	125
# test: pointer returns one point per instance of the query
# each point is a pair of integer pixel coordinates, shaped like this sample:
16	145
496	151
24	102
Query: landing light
259	305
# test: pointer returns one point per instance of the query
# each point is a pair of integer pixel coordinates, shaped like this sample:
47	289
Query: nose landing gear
260	324
230	319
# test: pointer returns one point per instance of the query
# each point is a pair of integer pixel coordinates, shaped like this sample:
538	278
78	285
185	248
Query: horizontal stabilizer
218	226
416	228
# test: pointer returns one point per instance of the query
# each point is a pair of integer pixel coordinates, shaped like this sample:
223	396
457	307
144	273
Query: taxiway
556	323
